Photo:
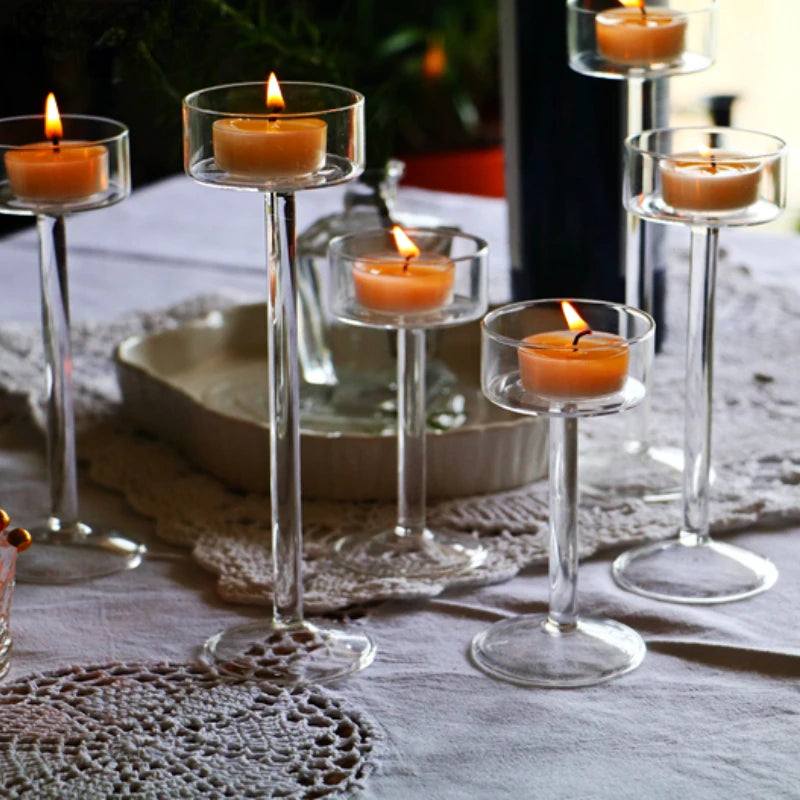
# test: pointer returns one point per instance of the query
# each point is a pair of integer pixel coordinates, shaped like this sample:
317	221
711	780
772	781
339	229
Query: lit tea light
573	364
403	280
639	36
57	170
710	180
274	146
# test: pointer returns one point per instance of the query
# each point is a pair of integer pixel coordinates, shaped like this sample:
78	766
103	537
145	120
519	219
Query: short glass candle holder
627	39
52	166
534	363
443	283
278	141
705	178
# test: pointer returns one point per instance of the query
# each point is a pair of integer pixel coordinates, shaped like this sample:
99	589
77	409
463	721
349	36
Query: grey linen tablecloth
713	712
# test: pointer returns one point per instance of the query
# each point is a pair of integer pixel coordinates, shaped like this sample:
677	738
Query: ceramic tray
202	387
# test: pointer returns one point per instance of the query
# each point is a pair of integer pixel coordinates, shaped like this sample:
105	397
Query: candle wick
578	335
406	263
56	147
643	9
713	164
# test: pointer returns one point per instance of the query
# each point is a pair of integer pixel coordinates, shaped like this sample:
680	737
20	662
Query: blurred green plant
429	70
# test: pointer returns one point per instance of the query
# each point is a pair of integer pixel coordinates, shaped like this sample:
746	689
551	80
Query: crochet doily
756	427
153	731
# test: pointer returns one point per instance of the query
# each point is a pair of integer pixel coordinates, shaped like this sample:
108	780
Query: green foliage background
135	59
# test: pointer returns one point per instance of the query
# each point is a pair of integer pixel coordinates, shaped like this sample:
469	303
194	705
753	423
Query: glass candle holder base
532	650
76	553
289	655
693	570
395	552
652	473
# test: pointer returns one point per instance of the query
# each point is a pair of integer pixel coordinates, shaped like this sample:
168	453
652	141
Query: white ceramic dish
202	387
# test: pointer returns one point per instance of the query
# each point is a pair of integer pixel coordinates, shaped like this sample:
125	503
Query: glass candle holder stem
411	473
61	454
283	403
699	383
563	564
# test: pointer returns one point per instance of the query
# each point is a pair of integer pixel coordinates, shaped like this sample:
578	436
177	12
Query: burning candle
56	171
638	36
405	280
271	147
710	180
573	364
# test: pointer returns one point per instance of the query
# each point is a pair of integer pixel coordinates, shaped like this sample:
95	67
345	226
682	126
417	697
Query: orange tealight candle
573	364
56	171
272	147
640	36
405	280
710	180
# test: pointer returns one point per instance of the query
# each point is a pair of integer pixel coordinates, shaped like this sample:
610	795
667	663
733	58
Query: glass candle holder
671	37
638	45
238	137
534	363
705	178
373	285
84	167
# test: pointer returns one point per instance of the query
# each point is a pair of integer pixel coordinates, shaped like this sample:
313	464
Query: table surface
712	712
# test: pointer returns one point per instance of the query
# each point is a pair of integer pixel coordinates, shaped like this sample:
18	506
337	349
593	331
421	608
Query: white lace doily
756	427
154	731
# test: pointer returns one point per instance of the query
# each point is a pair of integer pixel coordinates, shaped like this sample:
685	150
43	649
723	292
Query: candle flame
632	3
575	321
405	246
275	100
52	119
705	152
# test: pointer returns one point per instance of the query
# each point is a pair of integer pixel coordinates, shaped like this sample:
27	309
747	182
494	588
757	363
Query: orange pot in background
478	171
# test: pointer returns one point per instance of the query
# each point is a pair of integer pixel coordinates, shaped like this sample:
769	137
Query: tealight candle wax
391	282
273	146
556	365
709	181
629	36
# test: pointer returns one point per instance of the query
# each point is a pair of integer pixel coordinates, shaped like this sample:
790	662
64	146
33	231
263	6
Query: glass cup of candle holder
705	178
672	37
86	169
562	648
410	549
606	40
328	149
12	542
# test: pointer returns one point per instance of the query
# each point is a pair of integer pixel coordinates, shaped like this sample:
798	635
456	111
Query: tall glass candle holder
636	42
50	168
243	137
705	178
532	364
440	281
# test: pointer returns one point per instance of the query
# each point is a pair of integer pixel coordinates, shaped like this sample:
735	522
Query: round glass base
67	554
395	553
693	571
653	474
533	651
289	655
